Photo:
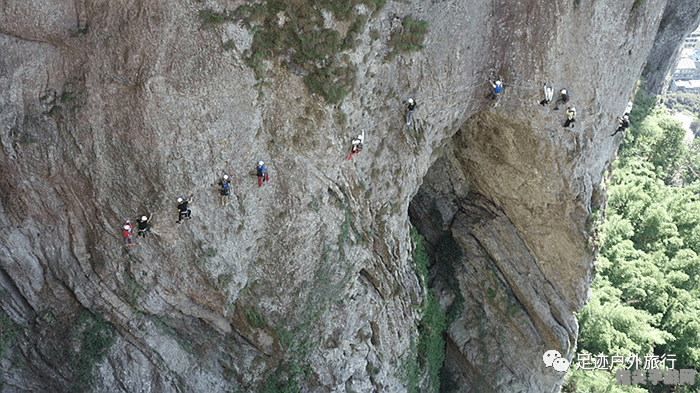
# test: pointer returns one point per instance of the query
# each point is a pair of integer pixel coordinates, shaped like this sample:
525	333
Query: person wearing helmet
410	109
570	117
548	94
127	233
184	211
497	87
563	99
143	224
262	173
624	123
357	144
224	184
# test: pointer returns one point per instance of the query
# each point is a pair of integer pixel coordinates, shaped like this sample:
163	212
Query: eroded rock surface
680	18
110	110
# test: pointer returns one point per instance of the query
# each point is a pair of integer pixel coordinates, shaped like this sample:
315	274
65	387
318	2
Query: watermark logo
631	370
554	359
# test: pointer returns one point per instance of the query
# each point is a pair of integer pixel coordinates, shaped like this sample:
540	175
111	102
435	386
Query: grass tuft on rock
8	331
428	356
91	339
294	33
409	39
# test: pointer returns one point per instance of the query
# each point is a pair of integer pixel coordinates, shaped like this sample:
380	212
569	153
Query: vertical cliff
680	18
111	110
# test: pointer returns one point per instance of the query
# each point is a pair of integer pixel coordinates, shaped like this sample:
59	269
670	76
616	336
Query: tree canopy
646	293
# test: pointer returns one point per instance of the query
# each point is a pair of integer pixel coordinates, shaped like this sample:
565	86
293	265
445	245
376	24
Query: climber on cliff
570	117
410	109
262	173
563	99
548	94
127	233
357	144
624	123
143	224
497	87
183	210
224	185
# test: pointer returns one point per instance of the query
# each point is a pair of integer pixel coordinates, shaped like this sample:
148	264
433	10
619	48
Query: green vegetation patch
409	39
294	32
410	372
646	293
90	340
8	332
449	254
285	378
428	356
256	319
431	343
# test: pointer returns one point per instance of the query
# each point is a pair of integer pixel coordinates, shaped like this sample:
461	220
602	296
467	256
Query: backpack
261	170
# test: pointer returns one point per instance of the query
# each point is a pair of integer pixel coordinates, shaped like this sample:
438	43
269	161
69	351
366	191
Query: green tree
658	139
646	296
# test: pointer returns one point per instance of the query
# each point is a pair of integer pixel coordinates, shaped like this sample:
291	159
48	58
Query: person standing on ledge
410	109
563	99
497	87
624	123
184	211
143	224
357	144
570	117
224	184
262	173
548	94
127	232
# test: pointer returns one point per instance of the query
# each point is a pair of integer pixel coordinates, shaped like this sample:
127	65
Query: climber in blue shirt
497	87
224	185
262	173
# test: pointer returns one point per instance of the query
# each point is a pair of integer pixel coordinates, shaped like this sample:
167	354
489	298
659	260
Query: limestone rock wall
113	109
680	18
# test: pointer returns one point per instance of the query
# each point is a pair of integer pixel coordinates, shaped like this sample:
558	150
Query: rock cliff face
680	19
111	110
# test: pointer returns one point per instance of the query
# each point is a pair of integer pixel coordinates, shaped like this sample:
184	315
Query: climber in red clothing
127	233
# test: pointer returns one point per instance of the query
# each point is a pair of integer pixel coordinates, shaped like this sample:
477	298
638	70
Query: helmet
626	116
144	218
498	83
563	91
261	163
179	200
225	177
410	100
126	226
573	109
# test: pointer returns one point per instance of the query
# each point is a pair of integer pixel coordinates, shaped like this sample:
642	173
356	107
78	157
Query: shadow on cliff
503	310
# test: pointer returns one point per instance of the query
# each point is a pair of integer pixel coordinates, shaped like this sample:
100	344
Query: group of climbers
357	145
571	111
563	99
184	212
